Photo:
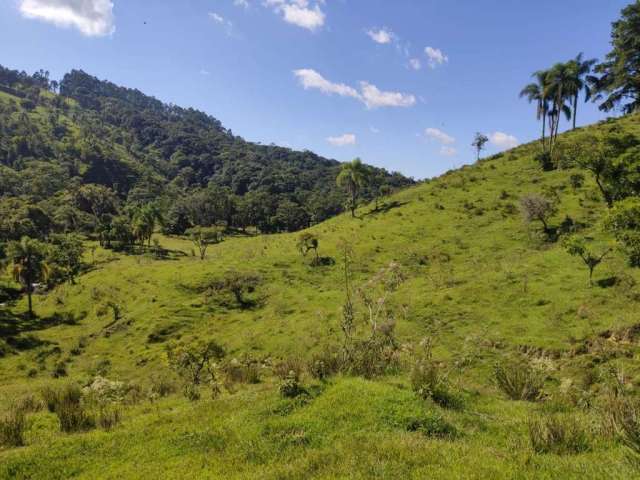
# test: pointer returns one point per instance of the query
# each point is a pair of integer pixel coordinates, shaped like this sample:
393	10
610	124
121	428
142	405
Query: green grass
502	290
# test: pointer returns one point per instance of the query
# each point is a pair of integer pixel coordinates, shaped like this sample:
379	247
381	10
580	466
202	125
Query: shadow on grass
12	324
607	282
386	207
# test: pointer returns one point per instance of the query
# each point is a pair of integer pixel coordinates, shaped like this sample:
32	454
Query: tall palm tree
559	87
538	92
580	70
353	176
28	265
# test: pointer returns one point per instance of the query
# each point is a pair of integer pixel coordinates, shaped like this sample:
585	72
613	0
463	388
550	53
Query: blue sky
403	84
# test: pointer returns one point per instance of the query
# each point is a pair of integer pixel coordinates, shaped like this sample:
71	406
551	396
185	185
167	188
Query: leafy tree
623	221
144	223
478	143
203	237
538	208
577	247
28	265
196	364
308	241
618	83
353	177
65	256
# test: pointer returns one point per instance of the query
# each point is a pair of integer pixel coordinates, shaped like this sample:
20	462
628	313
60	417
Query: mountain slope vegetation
472	287
146	152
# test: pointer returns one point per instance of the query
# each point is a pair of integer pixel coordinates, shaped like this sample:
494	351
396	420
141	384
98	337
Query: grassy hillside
480	283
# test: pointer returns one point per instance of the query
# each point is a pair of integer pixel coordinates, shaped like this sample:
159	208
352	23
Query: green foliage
538	208
290	386
203	237
67	403
577	247
623	221
195	364
236	283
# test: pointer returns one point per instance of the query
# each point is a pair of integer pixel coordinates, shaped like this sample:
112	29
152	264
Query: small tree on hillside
65	256
538	208
308	241
577	246
28	265
478	143
353	177
202	237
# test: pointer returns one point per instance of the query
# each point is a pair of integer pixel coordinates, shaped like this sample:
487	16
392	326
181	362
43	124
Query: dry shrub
243	370
109	416
324	364
283	368
67	404
162	386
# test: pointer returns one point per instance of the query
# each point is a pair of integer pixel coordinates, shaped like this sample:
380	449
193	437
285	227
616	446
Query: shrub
195	364
559	434
538	208
245	370
29	404
290	386
68	406
324	364
623	415
12	427
576	181
432	425
519	380
283	368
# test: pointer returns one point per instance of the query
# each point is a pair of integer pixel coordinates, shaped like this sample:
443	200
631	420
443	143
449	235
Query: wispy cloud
369	94
220	20
415	63
93	18
342	140
299	12
435	57
503	140
241	3
382	35
439	135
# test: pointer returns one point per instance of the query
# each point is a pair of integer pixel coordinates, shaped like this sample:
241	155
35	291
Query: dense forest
87	156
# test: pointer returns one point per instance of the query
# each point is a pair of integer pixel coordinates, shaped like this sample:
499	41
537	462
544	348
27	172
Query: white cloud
342	140
369	94
439	135
448	151
374	98
299	12
311	79
435	56
220	20
216	18
205	72
92	17
374	130
241	3
415	63
382	35
503	140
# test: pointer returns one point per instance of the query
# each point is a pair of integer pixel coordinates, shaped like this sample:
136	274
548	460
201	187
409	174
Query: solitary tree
237	284
202	237
308	241
577	246
28	265
353	177
538	208
479	142
65	256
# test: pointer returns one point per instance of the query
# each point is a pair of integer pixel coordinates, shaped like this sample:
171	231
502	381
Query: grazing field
490	292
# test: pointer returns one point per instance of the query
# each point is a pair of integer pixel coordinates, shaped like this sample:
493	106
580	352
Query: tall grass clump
519	380
558	434
622	418
67	404
12	427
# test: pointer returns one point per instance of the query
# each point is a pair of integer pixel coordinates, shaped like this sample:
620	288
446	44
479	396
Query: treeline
97	158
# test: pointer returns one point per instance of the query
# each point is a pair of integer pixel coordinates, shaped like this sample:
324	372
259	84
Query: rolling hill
482	285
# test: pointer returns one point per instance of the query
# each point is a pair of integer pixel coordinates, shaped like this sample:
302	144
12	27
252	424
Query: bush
162	386
12	427
324	364
109	417
623	415
68	406
519	380
283	368
290	386
559	434
433	425
245	370
576	181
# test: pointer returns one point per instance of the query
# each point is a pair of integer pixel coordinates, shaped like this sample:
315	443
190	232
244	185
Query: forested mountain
62	144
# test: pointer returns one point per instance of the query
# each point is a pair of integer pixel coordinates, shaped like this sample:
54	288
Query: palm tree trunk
29	299
575	110
544	128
